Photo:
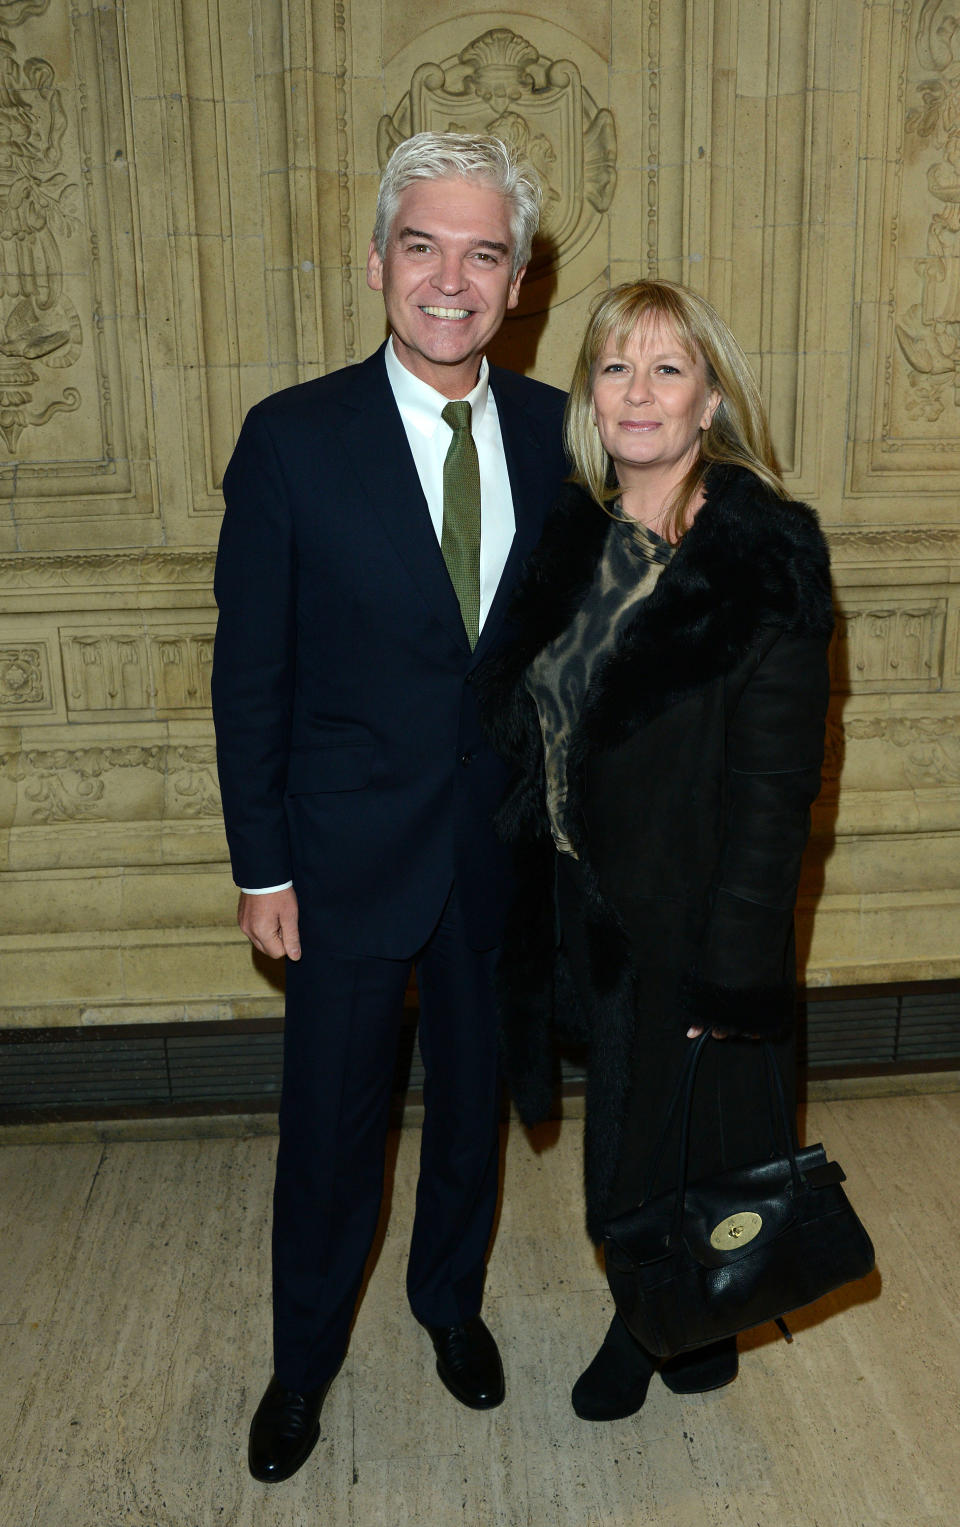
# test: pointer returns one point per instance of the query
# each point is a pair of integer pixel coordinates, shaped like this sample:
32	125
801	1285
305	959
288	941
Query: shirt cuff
265	890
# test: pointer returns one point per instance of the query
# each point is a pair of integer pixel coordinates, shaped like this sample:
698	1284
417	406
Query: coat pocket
343	766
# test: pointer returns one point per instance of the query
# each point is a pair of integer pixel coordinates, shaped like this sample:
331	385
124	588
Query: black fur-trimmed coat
691	773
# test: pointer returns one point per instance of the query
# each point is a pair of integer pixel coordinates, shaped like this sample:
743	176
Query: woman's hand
696	1030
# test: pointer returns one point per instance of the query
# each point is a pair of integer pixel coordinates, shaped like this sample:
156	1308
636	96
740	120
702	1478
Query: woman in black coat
663	704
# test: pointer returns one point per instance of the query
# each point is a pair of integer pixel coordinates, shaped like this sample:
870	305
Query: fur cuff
761	1012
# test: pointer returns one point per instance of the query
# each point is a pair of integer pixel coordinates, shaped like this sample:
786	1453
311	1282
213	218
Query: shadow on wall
823	841
515	347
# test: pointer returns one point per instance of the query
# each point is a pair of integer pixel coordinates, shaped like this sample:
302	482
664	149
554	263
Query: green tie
460	541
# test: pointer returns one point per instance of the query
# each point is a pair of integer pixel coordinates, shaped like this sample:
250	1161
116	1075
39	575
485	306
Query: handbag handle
684	1091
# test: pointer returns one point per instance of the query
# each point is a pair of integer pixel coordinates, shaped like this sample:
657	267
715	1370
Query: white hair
445	156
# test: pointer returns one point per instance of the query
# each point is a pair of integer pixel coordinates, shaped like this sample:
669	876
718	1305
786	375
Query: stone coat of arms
499	83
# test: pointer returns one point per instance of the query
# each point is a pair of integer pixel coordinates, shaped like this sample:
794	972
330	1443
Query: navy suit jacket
350	755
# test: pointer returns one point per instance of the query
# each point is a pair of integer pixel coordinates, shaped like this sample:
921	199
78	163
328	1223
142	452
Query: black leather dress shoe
284	1431
469	1364
703	1369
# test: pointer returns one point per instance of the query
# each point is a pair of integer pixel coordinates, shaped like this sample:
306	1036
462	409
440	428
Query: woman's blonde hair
738	433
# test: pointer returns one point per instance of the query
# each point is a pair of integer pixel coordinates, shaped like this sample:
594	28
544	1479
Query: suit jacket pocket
343	766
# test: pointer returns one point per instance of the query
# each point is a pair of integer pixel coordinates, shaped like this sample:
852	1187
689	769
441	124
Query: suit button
466	758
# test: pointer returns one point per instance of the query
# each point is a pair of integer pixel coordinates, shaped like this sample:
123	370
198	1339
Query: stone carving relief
75	371
193	791
348	294
136	670
889	647
902	731
101	570
90	784
39	324
928	748
930	744
181	667
934	763
22	678
105	672
68	784
930	335
920	542
500	83
903	428
57	798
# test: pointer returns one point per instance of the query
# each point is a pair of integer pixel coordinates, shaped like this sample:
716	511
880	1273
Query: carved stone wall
186	194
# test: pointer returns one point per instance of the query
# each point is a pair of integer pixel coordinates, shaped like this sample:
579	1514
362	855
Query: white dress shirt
421	407
429	438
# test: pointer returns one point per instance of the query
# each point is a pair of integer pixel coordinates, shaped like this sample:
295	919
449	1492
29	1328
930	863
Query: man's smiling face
446	279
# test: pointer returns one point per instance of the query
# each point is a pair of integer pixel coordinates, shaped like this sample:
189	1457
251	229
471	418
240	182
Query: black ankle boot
615	1384
703	1369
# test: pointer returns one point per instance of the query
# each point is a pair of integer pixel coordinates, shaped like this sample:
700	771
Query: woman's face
650	402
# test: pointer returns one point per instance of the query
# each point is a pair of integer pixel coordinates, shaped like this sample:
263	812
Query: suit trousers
342	1025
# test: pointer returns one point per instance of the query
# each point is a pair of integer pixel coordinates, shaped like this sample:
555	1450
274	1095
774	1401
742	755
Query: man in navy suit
357	789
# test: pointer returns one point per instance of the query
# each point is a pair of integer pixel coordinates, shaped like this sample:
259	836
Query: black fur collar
750	561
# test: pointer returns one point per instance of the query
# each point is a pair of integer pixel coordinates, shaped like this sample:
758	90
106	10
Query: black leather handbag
734	1250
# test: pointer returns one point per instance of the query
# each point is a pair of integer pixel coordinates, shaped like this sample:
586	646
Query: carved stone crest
500	83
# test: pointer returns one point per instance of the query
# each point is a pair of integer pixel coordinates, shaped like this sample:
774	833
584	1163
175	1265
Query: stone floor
134	1345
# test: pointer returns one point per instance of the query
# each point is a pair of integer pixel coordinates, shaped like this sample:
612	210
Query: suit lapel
373	436
523	450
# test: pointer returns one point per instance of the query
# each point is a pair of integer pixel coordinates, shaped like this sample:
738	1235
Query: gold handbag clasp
735	1231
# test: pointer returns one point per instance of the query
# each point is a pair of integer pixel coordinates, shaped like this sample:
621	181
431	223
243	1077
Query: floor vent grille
902	1029
220	1068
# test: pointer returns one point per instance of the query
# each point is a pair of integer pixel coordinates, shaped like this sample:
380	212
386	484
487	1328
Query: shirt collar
421	404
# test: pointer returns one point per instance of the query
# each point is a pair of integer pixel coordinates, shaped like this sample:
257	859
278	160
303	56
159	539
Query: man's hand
271	923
